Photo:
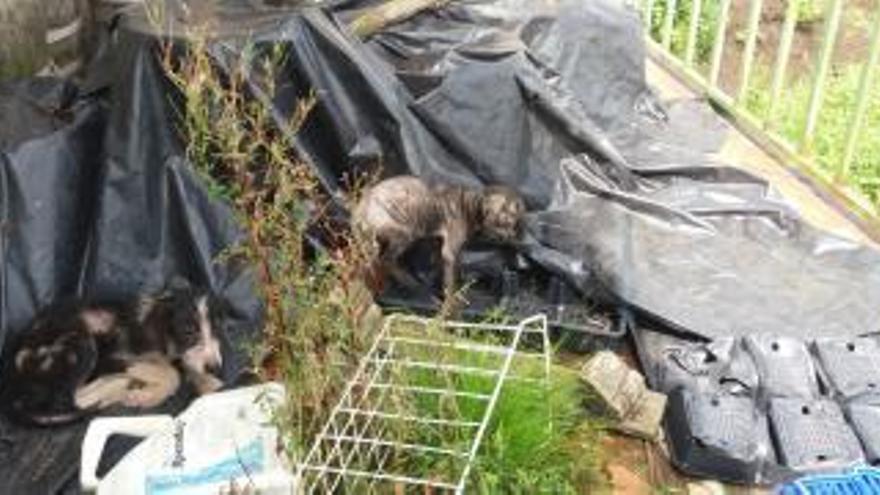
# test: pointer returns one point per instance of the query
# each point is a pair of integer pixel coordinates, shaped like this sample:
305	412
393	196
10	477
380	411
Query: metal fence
797	147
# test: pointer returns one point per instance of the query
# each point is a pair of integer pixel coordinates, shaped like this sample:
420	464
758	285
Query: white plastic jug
220	437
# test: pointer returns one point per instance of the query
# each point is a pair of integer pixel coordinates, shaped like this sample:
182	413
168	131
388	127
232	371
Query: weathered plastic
221	438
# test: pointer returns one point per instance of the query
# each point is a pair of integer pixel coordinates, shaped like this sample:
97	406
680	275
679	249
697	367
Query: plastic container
861	481
222	438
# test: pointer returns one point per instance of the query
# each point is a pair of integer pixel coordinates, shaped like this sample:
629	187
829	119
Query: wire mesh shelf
412	417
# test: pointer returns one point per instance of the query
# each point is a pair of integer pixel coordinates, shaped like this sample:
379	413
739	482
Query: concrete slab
637	410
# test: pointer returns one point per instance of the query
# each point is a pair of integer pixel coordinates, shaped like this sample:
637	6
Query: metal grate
412	418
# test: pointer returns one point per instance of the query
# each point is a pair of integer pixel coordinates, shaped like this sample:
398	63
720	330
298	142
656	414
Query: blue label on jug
248	461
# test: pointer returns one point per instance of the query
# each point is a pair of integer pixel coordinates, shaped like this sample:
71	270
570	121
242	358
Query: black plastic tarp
97	201
546	96
550	97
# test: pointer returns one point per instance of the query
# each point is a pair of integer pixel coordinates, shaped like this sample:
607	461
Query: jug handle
100	429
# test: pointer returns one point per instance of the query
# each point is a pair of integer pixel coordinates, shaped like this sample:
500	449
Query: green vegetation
542	441
541	438
790	112
809	11
835	118
710	12
314	309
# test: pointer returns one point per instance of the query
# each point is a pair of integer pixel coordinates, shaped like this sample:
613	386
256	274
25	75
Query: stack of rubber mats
766	408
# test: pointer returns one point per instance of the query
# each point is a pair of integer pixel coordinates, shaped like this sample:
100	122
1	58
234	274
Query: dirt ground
638	467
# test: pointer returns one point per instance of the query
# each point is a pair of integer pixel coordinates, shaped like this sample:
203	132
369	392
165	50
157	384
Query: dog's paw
103	392
145	398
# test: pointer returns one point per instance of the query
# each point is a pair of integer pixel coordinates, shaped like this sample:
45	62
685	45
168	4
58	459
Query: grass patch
542	441
541	438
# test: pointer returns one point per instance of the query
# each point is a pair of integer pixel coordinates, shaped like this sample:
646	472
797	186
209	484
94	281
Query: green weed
314	305
543	441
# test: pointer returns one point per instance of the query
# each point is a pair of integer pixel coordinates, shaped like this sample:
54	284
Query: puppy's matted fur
399	211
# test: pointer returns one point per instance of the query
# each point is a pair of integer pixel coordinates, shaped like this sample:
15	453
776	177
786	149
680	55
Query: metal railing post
749	51
718	46
818	90
762	124
864	97
693	32
668	23
782	56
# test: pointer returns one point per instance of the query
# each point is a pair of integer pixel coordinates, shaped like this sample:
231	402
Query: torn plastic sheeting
518	95
701	265
550	97
360	105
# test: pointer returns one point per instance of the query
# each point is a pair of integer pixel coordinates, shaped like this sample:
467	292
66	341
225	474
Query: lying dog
399	211
78	358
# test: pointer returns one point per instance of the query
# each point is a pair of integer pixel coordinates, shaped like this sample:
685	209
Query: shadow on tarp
627	205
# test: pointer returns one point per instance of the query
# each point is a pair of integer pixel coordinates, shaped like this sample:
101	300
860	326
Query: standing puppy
399	211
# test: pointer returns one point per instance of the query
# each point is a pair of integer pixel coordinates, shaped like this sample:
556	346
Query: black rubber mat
851	366
718	435
813	434
865	419
784	365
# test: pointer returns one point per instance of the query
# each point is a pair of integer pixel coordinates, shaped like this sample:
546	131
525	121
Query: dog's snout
215	356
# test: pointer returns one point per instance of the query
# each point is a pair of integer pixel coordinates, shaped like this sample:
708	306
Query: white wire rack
412	418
